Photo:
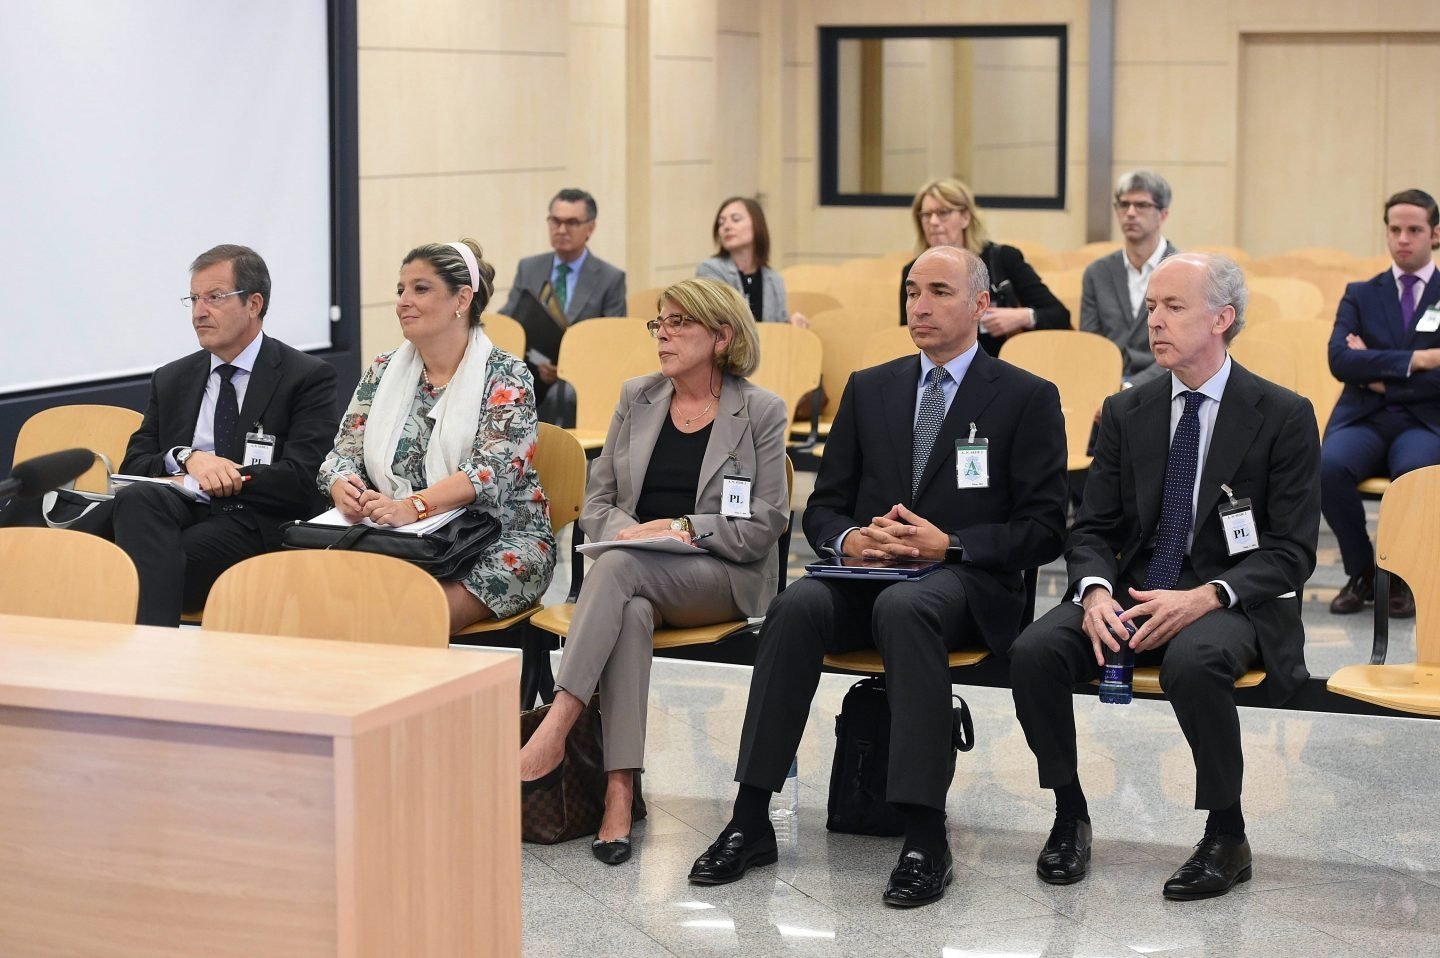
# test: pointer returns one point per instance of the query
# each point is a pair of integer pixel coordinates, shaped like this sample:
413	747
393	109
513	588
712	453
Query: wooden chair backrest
886	344
597	356
105	429
812	277
809	303
506	333
66	575
320	594
1406	544
1085	368
844	336
644	302
560	463
1271	358
1308	343
1298	298
861	292
790	362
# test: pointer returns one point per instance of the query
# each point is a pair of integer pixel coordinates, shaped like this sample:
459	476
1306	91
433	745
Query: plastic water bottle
1119	668
785	804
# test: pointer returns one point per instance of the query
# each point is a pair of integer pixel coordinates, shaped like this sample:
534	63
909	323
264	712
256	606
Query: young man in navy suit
1385	348
242	424
949	455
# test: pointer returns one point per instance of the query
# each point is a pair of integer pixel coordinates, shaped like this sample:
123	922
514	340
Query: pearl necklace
425	378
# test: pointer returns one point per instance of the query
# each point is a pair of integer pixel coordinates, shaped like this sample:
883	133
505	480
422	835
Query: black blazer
1371	310
1265	448
1007	262
1016	524
290	393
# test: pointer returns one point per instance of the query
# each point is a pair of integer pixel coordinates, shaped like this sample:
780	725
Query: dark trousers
1198	669
914	624
179	547
1390	443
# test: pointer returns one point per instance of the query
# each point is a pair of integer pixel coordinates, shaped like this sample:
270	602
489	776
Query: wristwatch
182	456
422	508
682	524
954	551
1222	595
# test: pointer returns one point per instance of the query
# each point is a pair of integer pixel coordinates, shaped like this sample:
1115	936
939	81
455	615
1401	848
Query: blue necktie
1177	507
227	417
927	424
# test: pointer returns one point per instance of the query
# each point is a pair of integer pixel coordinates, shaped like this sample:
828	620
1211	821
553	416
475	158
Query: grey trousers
628	593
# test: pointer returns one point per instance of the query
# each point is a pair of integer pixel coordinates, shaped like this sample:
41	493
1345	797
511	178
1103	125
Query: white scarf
456	416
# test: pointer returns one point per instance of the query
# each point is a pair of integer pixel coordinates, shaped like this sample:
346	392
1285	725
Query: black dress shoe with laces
1402	600
1066	856
1218	864
730	856
1359	590
919	878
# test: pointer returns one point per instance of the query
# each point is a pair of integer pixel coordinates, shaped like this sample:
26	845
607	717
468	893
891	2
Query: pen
703	535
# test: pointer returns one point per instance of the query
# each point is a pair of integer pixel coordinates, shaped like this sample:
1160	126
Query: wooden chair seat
1375	486
1146	680
498	625
869	660
556	620
1408	687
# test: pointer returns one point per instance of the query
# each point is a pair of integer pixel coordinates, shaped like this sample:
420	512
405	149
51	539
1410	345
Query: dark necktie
227	417
1407	300
562	286
1177	506
927	424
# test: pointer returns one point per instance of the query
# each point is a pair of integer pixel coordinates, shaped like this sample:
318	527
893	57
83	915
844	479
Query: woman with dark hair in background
946	215
742	261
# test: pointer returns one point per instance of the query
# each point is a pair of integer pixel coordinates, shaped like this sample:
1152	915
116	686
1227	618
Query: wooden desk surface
304	686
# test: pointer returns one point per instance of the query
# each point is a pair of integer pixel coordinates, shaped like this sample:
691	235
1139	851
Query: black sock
1070	801
924	828
1226	821
752	812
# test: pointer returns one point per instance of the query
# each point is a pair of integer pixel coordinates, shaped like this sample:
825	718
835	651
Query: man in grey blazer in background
585	285
1112	298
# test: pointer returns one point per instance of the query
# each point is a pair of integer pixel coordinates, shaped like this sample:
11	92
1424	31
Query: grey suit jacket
723	268
747	439
1105	309
599	289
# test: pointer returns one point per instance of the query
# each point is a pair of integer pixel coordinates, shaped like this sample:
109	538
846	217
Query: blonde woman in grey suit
742	261
678	438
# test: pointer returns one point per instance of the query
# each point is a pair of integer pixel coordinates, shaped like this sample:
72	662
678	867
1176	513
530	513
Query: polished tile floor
1341	814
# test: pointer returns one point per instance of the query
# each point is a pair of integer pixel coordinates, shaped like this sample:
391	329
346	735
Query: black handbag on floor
447	553
858	777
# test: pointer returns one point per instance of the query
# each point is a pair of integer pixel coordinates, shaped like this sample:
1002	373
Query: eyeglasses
1139	206
941	215
210	299
672	323
570	224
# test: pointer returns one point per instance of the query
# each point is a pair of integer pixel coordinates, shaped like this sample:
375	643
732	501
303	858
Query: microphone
35	477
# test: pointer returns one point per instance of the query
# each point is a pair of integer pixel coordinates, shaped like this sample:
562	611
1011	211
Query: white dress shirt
1138	280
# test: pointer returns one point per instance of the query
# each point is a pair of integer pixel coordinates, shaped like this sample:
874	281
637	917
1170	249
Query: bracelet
422	508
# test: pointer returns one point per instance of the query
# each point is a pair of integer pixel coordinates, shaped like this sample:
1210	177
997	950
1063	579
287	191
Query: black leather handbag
447	553
861	771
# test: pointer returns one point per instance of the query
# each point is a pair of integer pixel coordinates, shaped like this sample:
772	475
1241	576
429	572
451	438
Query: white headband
468	255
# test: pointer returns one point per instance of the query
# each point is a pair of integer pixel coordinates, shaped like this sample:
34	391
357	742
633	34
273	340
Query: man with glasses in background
584	285
1112	298
239	428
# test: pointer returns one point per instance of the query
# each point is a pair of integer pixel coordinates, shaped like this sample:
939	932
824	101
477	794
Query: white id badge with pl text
735	497
1239	521
259	447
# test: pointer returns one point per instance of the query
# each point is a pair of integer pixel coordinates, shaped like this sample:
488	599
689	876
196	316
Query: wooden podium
179	793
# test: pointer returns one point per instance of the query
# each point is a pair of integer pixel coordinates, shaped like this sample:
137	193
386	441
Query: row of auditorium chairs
313	594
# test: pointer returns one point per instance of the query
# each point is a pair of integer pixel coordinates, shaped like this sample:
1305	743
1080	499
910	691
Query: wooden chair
506	333
323	594
814	277
1298	298
1308	343
1085	368
644	302
66	575
1084	255
597	356
104	429
869	293
1271	359
556	619
790	362
1406	546
809	304
1261	309
844	335
560	463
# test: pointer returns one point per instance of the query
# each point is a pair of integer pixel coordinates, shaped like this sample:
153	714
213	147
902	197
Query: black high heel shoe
611	853
549	780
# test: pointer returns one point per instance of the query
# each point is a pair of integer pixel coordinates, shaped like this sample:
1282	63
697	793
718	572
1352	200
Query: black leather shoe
1219	862
611	853
730	856
1402	600
1066	856
918	879
1356	593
